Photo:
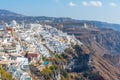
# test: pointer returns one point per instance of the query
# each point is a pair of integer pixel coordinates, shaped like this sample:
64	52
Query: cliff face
105	68
115	59
102	41
105	45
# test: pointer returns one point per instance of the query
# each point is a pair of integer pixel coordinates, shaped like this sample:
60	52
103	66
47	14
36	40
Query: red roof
32	55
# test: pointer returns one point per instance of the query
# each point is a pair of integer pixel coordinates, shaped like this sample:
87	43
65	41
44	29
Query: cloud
92	3
96	3
84	3
112	4
72	4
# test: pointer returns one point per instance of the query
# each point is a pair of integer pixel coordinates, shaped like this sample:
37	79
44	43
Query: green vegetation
65	56
4	75
78	49
44	59
52	67
46	71
64	73
58	56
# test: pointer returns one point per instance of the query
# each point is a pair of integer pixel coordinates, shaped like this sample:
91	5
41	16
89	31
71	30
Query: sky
100	10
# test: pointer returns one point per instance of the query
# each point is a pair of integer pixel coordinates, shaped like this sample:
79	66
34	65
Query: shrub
51	67
44	59
5	75
78	49
64	73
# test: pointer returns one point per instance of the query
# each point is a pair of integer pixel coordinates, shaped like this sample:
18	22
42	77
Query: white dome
13	23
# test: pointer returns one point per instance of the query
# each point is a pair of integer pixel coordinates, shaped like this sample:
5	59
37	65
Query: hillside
104	42
8	16
51	54
6	13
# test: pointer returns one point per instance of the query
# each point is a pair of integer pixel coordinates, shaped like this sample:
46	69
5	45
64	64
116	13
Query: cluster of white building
10	52
34	39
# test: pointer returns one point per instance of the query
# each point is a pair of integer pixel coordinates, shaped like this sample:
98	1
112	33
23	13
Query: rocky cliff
105	45
105	42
